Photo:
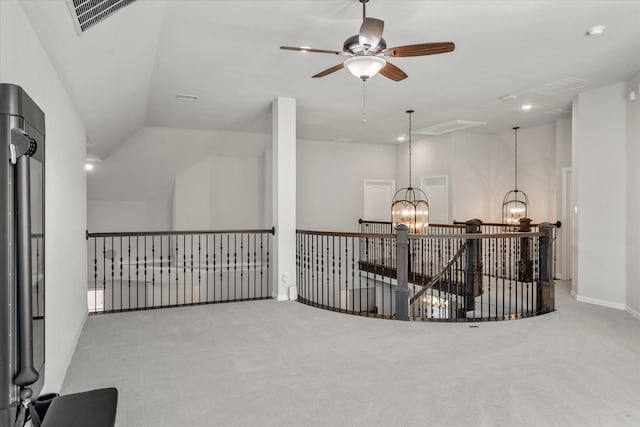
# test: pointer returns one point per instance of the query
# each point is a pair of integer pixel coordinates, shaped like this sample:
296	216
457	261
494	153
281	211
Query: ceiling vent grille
87	13
447	127
560	86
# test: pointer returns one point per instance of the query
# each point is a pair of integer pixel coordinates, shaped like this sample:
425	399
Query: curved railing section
464	275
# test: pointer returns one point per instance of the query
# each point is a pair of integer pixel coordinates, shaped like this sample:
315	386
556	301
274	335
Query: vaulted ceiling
125	72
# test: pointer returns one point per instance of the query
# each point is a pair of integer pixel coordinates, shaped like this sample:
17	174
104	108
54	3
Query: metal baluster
214	270
177	271
129	267
185	282
199	269
168	273
206	263
95	275
268	264
255	266
121	305
261	264
228	275
353	273
138	275
322	275
235	269
340	271
391	305
247	267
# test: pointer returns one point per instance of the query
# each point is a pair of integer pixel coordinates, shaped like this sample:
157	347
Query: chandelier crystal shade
365	66
515	204
410	206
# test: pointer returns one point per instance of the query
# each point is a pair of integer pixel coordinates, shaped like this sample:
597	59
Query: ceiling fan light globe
365	67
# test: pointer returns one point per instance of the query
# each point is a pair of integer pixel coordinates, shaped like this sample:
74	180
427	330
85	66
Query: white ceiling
126	71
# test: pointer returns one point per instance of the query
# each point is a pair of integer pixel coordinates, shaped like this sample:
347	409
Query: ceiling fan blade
308	49
420	49
392	72
329	71
371	32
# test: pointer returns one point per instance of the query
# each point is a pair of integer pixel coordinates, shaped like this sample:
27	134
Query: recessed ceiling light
596	31
401	138
185	97
526	107
88	166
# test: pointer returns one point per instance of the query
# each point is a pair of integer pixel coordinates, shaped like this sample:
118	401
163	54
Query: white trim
280	297
633	312
561	276
604	303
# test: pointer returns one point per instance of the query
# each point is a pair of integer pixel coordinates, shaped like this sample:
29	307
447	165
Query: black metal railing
331	275
458	227
488	277
465	275
145	270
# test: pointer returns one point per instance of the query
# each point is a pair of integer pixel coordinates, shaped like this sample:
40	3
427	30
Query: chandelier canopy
410	205
515	204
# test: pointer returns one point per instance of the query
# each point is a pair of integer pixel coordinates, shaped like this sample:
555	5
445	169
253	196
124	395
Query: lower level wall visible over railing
144	270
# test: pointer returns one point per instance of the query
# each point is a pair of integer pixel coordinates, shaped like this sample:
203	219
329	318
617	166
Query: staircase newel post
473	269
402	289
525	267
546	285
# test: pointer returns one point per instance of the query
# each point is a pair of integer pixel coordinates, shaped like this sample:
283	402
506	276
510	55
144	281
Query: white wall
330	182
563	160
126	215
481	170
140	175
23	61
220	193
633	201
599	144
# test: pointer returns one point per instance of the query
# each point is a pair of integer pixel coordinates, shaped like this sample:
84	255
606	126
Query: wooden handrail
179	233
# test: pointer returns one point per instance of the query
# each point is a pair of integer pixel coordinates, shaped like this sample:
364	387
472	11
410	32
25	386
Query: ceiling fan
367	51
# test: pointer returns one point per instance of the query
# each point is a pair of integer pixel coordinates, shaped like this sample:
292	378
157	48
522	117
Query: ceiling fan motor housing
352	45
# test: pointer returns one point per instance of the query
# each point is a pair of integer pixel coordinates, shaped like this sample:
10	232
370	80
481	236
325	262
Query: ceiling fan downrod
364	9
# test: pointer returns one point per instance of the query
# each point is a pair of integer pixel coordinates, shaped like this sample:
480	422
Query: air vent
447	127
557	111
87	13
560	86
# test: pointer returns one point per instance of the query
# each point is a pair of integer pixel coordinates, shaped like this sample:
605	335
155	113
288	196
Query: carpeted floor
266	363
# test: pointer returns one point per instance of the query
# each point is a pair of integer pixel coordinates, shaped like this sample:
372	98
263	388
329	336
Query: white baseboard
280	297
634	313
604	303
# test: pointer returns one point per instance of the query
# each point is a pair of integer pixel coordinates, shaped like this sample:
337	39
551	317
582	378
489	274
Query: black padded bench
95	408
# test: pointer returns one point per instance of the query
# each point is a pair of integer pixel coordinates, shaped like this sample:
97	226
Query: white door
378	195
437	190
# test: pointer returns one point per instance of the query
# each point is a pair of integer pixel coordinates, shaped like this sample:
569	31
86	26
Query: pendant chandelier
410	206
515	204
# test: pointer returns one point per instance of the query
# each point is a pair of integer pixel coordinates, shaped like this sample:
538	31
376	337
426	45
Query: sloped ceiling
125	72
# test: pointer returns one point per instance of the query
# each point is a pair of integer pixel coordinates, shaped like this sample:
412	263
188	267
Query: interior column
284	196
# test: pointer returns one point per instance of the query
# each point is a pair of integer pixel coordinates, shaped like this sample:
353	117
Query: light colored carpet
266	363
